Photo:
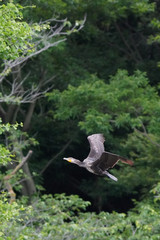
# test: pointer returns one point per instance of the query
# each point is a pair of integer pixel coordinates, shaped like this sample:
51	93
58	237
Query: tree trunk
27	120
10	115
28	185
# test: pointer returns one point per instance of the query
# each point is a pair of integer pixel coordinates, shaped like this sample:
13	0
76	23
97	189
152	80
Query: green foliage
9	213
8	127
156	191
19	140
129	105
125	107
116	9
43	219
63	217
126	102
5	156
45	9
5	153
15	35
155	24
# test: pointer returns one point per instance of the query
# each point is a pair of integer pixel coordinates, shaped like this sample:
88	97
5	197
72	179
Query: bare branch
19	95
57	155
144	133
131	51
19	165
9	176
41	43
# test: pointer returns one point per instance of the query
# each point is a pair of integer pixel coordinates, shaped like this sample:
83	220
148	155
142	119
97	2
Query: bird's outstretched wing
96	142
108	160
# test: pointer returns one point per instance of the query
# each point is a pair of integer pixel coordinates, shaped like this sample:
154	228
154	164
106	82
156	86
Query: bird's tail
111	176
127	161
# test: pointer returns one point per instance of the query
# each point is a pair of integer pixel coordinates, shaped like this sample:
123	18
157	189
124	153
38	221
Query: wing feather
96	142
108	160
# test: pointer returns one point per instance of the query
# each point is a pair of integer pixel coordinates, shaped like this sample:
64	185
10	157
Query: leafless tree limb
56	156
19	165
9	176
130	50
41	43
19	95
144	133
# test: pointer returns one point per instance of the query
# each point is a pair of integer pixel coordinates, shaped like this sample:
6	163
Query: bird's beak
67	159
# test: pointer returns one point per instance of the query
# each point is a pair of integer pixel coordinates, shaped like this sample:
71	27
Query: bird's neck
78	162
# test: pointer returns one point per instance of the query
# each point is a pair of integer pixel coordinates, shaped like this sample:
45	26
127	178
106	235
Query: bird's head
69	159
75	161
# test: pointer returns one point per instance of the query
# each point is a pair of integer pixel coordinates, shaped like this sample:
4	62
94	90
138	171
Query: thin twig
42	43
147	135
57	155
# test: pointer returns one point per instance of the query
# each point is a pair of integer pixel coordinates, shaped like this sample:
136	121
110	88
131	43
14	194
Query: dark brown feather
108	160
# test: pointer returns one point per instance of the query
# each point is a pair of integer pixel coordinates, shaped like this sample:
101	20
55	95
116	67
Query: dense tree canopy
70	68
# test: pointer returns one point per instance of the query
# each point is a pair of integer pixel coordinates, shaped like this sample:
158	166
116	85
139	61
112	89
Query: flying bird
98	160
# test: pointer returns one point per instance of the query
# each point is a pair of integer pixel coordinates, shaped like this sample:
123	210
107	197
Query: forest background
70	68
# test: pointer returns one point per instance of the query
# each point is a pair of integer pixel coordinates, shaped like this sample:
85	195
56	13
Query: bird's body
99	161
